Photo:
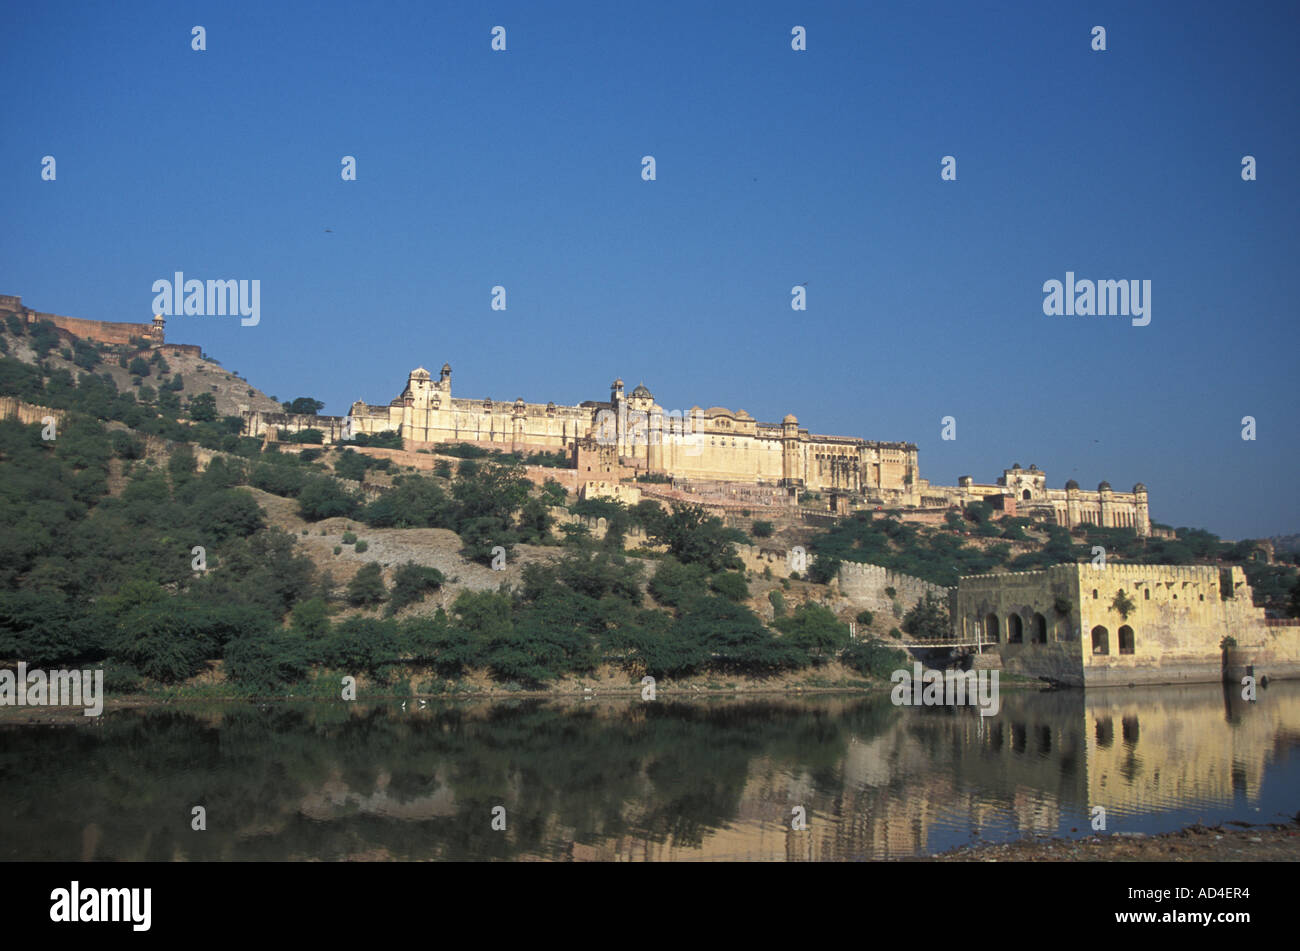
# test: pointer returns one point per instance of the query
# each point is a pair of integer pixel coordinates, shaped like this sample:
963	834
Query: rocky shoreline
1229	842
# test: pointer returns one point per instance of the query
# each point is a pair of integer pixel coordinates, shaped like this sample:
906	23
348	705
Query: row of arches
1119	517
1015	628
1101	640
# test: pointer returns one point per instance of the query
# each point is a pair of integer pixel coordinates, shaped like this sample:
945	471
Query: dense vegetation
177	567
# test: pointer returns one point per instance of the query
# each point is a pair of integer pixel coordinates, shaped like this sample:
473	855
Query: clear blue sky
775	168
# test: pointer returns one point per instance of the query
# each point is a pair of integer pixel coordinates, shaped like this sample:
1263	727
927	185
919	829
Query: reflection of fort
655	782
1037	767
1182	746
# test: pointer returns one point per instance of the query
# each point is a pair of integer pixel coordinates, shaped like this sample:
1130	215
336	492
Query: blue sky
477	168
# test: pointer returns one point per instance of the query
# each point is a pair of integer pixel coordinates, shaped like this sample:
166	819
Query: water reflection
634	781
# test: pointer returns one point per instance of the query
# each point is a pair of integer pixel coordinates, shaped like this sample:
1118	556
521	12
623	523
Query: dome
1072	485
642	392
420	372
1139	488
789	418
741	414
446	368
1103	487
618	384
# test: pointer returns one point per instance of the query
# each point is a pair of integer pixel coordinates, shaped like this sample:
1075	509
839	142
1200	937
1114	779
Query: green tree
815	629
731	585
304	406
366	589
322	497
203	408
411	582
695	537
928	619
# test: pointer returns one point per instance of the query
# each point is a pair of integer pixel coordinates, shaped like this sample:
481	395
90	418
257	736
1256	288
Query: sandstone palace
708	450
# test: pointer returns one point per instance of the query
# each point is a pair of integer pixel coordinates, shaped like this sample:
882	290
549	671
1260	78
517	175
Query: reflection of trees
327	780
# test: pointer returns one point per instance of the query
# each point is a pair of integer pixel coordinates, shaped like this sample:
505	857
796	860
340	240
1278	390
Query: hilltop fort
715	453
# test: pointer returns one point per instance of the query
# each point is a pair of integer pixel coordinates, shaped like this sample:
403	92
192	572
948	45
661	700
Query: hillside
151	537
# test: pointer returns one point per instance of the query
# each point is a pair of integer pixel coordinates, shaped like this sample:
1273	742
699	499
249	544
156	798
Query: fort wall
13	408
101	331
1170	631
864	586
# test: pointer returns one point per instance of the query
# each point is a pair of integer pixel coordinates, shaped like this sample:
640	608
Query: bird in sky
329	230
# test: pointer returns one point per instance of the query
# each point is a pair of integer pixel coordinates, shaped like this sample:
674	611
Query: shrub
366	588
874	658
310	436
411	582
865	617
362	643
349	538
1123	604
762	529
361	546
266	661
928	619
777	600
675	584
229	513
815	629
285	480
322	497
731	585
126	446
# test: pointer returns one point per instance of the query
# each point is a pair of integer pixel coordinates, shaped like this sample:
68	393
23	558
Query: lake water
628	780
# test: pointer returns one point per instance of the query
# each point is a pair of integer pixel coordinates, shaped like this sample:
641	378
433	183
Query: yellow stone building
631	434
713	444
1120	624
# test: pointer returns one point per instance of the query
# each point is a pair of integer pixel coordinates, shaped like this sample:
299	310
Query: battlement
101	331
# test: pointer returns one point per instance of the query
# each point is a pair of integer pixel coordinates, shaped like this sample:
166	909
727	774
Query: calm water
631	780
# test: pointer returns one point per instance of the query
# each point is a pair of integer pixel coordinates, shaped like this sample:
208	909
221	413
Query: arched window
1146	592
1015	629
1094	594
1026	495
1040	629
991	627
1100	640
1126	640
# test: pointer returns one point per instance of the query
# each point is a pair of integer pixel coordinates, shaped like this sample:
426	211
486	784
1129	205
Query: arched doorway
1126	640
1040	629
1015	629
991	632
1100	640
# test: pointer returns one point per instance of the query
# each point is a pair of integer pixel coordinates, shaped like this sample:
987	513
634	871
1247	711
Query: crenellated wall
864	585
